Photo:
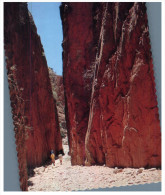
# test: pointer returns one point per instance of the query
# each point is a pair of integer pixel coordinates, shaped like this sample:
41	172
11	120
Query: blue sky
48	22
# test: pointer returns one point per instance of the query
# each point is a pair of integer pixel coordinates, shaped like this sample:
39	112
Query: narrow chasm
87	127
58	96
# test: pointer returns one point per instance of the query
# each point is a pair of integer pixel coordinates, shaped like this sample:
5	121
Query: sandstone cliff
111	107
33	107
78	54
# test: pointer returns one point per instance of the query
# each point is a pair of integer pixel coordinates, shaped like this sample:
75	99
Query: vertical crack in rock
78	57
123	127
134	18
97	65
116	18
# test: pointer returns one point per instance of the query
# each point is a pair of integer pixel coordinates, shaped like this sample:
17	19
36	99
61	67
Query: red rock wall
78	55
123	127
34	110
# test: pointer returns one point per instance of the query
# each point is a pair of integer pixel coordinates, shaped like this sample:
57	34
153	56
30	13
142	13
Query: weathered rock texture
78	54
33	107
58	95
111	107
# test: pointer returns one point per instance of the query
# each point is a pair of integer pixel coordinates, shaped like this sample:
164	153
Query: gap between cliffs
107	66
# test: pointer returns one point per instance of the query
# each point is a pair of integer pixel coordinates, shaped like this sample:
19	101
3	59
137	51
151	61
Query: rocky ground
73	178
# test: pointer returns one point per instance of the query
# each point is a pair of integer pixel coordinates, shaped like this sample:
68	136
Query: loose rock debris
74	178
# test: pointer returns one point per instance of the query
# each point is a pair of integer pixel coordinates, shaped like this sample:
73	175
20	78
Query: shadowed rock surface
58	95
78	54
111	107
33	107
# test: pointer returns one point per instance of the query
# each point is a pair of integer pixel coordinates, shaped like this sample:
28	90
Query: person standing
52	156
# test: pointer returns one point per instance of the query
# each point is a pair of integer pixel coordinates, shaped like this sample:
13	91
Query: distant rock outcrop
111	107
33	107
58	95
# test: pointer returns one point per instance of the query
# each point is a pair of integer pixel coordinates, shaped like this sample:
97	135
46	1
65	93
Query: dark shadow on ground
30	183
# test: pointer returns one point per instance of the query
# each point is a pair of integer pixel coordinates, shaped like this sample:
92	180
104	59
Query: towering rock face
34	110
111	106
78	55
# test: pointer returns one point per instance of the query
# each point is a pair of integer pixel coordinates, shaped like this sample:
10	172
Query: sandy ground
73	178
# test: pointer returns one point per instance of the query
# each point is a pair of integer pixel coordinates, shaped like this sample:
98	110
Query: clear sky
46	16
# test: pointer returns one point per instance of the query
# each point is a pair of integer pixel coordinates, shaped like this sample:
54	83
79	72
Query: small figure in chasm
52	156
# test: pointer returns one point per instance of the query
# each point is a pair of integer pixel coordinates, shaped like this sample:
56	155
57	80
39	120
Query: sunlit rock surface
111	107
